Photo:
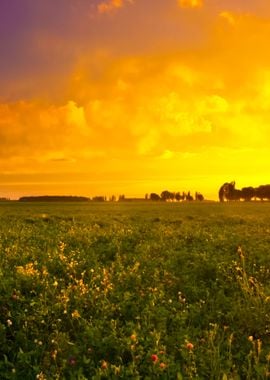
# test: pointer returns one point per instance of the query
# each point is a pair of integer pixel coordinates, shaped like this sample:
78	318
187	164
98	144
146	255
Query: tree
248	193
189	197
166	195
199	196
99	198
178	196
154	197
263	192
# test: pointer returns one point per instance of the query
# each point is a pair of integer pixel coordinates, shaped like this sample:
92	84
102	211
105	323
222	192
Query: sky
103	97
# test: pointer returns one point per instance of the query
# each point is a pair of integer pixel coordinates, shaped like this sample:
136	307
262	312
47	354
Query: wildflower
240	253
62	246
154	358
9	322
40	376
117	369
72	361
28	270
162	365
250	338
44	271
104	364
189	346
75	314
133	337
15	296
54	354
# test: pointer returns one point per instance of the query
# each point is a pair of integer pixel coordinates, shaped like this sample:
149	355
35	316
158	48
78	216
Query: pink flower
154	358
104	364
72	361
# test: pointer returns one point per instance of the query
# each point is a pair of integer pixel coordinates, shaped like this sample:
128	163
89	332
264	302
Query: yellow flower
27	270
75	314
41	376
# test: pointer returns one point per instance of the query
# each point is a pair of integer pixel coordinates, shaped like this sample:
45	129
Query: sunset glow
133	96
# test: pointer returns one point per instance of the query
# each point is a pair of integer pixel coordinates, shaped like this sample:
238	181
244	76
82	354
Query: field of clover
135	291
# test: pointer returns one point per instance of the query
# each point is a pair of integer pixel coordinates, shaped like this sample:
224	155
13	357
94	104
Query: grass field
134	291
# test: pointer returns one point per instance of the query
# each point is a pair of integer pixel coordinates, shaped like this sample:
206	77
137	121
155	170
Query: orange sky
133	96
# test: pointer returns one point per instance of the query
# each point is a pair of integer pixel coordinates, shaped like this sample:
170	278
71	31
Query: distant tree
178	196
99	198
189	197
224	191
172	196
247	193
199	196
228	192
53	198
166	195
146	197
263	192
154	197
121	198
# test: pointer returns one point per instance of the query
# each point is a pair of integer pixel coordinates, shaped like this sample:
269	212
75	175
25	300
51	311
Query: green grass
134	291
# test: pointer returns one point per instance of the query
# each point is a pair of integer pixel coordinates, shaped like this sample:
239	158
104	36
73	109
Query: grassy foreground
135	291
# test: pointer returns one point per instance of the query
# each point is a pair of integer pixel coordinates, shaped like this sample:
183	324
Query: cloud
30	129
190	3
229	17
145	105
111	5
192	107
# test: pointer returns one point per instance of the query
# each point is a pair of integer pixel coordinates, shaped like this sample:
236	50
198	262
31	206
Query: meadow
135	290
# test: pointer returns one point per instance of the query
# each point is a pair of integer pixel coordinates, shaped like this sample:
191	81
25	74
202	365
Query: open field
134	291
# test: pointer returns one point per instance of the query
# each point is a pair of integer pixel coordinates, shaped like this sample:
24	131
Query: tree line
163	196
175	196
54	198
228	192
